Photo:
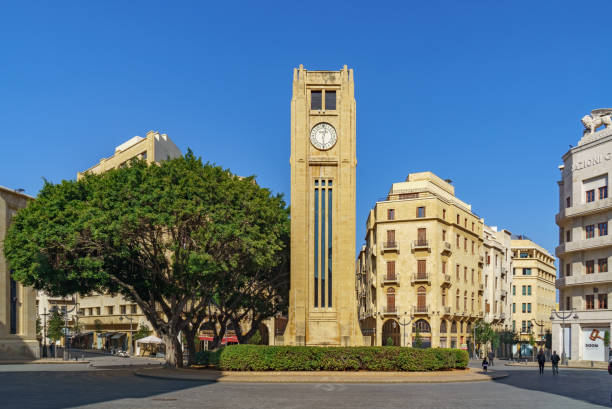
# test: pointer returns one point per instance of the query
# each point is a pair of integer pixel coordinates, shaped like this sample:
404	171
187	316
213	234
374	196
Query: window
390	270
513	290
568	269
472	246
472	226
444	267
134	309
568	303
602	301
526	271
603	192
457	271
513	326
524	307
390	214
590	266
513	307
472	303
109	310
420	211
590	231
472	276
444	214
590	301
465	274
590	195
330	100
316	100
98	310
488	259
458	238
524	254
523	326
443	299
524	290
90	311
465	301
122	309
465	223
602	265
567	202
568	236
496	283
443	235
529	307
528	290
602	229
465	244
458	219
457	301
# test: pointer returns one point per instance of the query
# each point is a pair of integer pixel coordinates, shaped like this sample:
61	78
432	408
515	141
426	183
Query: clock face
323	136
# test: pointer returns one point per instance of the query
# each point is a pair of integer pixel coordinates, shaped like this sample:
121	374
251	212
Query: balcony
446	248
480	288
420	310
446	281
584	244
584	279
390	311
391	279
421	245
390	246
481	260
583	209
420	278
447	311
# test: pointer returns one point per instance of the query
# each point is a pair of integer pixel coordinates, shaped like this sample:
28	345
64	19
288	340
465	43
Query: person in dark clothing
541	360
485	364
491	356
554	359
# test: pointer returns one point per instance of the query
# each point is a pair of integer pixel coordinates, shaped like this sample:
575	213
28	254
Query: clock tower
323	304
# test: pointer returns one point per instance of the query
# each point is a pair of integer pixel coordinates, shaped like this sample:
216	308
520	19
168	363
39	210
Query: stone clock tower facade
322	305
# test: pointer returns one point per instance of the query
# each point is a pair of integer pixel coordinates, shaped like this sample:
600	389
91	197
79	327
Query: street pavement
82	386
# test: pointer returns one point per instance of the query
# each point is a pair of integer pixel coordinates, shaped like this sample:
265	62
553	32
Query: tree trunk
174	354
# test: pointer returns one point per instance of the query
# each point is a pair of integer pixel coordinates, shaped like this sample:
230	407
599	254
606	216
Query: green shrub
290	358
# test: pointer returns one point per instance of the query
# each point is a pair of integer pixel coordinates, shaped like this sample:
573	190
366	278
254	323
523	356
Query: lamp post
45	332
130	348
66	354
563	317
404	324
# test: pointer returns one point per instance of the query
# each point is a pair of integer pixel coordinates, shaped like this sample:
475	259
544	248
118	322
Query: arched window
421	326
443	329
421	297
391	299
453	327
458	297
473	302
468	328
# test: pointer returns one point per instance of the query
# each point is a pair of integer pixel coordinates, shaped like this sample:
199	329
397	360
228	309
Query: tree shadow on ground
591	386
63	389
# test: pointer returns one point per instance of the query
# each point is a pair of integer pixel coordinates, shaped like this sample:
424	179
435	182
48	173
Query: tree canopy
184	240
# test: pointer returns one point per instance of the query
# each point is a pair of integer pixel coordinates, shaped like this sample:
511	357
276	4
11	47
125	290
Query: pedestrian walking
485	364
541	360
554	359
491	356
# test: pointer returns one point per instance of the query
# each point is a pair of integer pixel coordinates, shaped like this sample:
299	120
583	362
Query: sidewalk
43	361
575	365
210	375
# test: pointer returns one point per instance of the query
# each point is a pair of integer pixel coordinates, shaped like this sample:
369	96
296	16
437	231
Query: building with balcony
46	305
496	280
585	246
533	289
17	303
421	266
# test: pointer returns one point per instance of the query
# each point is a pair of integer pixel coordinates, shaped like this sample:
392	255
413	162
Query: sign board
592	344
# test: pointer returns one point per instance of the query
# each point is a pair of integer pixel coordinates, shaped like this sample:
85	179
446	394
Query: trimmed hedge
300	358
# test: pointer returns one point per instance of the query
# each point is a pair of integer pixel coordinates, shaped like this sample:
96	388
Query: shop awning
106	334
224	341
118	335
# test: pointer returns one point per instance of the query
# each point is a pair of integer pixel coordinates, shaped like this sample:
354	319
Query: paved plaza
75	386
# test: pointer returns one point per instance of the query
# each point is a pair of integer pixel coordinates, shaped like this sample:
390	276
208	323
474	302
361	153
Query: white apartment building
497	279
585	246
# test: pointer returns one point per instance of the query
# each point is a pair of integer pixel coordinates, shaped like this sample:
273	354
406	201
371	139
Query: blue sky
488	95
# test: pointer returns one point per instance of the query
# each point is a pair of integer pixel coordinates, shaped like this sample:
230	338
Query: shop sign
593	344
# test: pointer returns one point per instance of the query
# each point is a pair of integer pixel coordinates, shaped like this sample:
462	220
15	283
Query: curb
560	367
127	366
277	377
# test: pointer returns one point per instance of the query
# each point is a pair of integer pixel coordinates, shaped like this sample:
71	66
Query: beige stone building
106	320
46	305
533	289
17	303
585	245
322	303
421	266
497	279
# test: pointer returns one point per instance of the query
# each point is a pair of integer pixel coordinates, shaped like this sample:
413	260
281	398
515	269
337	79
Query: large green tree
175	238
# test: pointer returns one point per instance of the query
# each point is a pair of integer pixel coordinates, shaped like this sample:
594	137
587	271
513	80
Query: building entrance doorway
391	333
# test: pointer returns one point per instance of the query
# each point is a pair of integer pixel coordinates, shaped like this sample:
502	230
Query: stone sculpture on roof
597	118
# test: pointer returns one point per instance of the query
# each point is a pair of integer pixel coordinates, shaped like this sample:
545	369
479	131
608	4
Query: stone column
576	355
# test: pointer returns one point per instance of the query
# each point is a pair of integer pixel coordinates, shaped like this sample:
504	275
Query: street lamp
404	324
131	349
45	314
563	317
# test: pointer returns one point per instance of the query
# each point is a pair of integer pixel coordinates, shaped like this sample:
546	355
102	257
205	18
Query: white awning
151	339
